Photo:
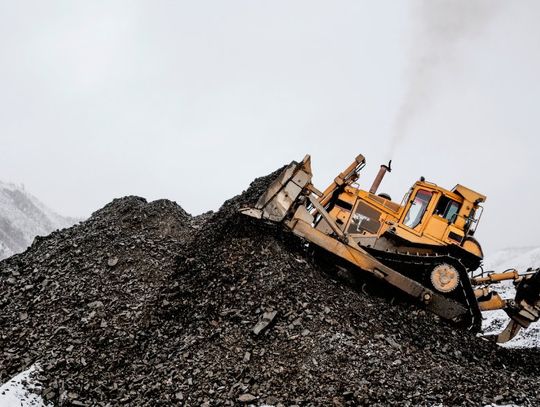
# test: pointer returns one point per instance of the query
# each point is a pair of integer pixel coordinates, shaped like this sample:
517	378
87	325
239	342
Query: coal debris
145	305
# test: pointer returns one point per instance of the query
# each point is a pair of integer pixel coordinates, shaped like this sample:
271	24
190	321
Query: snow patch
20	391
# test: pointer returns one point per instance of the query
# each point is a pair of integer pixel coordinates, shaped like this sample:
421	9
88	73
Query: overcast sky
191	100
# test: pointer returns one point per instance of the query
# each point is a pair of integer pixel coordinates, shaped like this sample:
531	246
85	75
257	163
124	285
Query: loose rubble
145	305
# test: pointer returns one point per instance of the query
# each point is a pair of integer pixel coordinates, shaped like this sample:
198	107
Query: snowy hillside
23	217
521	259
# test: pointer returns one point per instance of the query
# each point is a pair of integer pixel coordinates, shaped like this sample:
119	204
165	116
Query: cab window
417	208
447	208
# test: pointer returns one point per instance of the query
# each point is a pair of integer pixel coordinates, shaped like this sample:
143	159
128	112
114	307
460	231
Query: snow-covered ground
495	321
22	218
18	391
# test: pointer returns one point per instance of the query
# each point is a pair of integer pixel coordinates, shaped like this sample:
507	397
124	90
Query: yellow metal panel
468	194
494	303
455	230
436	227
473	247
414	237
391	209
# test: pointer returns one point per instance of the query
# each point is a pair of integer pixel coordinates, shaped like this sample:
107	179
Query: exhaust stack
380	176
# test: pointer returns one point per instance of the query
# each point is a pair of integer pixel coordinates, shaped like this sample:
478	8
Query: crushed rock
145	305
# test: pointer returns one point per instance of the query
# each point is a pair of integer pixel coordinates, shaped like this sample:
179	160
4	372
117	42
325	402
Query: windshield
447	208
417	209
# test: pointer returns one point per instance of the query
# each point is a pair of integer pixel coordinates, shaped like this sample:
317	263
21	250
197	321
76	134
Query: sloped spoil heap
222	309
80	300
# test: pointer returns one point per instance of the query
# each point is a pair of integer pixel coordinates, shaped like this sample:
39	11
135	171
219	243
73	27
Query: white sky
191	100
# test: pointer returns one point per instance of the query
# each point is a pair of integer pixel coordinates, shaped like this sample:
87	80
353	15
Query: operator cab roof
469	194
459	190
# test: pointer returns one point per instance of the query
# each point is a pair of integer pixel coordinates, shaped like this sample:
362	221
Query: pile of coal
79	301
144	305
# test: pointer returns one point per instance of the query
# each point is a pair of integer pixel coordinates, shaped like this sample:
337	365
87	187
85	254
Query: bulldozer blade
278	200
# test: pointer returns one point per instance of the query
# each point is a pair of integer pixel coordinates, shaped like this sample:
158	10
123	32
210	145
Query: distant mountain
22	218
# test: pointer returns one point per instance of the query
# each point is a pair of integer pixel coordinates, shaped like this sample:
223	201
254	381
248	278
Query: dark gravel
143	305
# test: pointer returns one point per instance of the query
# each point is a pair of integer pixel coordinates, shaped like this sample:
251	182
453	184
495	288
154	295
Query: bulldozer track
422	266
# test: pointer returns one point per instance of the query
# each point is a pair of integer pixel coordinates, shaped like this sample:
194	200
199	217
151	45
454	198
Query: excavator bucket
525	309
282	194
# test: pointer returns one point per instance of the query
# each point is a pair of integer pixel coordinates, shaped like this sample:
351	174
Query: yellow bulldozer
424	246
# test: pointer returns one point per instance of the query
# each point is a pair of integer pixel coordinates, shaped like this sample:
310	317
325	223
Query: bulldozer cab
432	212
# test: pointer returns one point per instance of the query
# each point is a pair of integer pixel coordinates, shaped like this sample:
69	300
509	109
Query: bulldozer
424	246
